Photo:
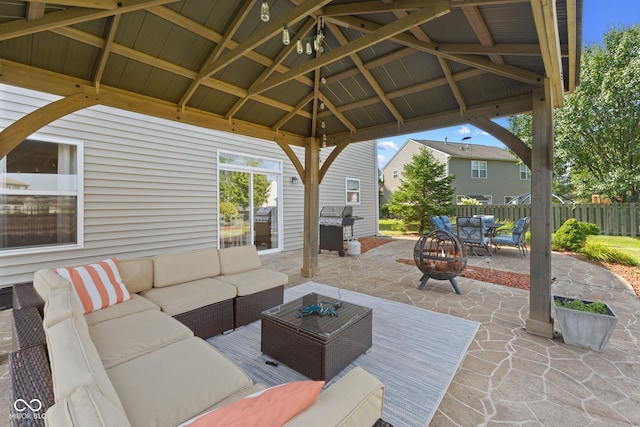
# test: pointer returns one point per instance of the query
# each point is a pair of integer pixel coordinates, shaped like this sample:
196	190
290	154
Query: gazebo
318	74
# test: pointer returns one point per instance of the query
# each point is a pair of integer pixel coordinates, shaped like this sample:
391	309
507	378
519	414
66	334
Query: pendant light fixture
264	12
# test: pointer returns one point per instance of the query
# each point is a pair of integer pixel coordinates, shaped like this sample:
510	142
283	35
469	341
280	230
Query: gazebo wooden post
540	321
311	207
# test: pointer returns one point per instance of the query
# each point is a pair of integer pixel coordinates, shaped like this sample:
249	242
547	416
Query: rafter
376	6
509	71
35	10
382	33
342	40
475	19
220	47
102	62
260	37
71	16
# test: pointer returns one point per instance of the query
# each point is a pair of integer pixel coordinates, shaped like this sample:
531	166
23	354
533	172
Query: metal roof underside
384	67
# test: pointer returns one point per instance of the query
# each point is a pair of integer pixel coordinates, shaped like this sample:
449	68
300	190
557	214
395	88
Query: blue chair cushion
504	239
437	223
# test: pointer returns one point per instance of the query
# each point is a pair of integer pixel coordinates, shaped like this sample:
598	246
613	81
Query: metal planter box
583	329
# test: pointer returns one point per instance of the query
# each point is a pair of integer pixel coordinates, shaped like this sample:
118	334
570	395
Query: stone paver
508	377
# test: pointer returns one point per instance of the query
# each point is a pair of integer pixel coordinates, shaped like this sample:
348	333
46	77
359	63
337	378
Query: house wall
150	185
503	179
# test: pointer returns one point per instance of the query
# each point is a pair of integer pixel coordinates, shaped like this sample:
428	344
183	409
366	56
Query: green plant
600	251
572	235
576	304
469	201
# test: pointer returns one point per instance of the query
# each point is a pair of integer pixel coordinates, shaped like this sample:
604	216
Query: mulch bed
498	277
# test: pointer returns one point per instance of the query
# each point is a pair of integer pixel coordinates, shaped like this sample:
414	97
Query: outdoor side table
316	346
25	295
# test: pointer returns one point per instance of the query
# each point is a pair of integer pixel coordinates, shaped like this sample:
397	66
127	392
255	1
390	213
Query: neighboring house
103	182
489	174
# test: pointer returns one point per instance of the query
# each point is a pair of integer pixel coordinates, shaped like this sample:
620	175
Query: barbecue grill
334	221
262	221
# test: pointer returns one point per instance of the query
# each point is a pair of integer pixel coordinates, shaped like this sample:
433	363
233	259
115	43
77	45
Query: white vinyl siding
150	185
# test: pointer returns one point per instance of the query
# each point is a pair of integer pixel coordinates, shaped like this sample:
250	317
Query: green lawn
628	245
395	227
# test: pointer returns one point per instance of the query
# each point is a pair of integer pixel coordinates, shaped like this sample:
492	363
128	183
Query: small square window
395	173
525	173
478	169
352	191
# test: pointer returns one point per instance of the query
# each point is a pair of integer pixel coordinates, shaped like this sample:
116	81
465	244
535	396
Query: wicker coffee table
316	346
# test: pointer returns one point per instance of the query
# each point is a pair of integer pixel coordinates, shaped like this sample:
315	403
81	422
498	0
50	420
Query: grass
628	245
395	227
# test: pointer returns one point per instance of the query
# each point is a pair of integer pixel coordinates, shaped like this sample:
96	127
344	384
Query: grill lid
336	211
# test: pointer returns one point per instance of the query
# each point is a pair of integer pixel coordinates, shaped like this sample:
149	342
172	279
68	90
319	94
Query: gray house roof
464	151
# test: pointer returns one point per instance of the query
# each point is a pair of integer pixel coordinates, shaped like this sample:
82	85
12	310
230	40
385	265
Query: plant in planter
584	323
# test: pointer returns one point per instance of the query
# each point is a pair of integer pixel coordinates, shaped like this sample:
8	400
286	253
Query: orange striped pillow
96	285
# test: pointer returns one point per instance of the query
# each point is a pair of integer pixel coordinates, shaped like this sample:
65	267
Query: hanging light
264	12
285	35
299	47
309	50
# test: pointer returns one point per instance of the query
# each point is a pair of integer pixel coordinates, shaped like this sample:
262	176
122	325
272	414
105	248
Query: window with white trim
478	169
41	196
352	191
525	173
395	173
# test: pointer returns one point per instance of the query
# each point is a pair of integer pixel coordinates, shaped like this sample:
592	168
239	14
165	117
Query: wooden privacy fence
613	219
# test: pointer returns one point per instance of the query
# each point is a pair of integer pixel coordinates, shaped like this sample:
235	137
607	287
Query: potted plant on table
585	323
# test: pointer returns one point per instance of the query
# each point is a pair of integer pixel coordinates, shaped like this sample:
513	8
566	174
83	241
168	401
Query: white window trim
346	191
79	200
394	173
486	169
527	171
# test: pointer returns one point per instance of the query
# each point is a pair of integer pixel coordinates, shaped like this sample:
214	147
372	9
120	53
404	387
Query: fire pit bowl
440	255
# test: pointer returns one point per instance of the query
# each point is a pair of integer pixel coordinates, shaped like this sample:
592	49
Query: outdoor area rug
415	353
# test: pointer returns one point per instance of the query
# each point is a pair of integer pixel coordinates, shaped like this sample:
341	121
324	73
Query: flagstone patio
508	377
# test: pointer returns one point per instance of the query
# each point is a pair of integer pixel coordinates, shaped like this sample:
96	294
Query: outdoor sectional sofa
136	363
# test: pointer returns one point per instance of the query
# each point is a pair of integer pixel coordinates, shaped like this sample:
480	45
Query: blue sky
598	18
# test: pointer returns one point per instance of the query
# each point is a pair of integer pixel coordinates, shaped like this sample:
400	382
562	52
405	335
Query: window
478	169
41	196
525	173
483	199
395	173
353	191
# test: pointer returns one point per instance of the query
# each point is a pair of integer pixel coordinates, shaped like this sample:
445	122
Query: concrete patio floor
508	377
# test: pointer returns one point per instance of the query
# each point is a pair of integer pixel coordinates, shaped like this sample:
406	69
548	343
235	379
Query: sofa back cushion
75	361
86	406
136	274
47	279
96	285
61	304
239	259
171	269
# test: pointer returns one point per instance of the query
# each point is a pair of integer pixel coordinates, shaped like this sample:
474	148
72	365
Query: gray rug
415	353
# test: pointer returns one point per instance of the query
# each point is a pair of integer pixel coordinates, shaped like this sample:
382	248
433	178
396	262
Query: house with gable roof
489	174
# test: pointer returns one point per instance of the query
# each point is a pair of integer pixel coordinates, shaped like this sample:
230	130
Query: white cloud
387	145
483	133
381	159
464	130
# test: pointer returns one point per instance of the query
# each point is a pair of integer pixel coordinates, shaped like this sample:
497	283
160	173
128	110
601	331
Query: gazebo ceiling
385	67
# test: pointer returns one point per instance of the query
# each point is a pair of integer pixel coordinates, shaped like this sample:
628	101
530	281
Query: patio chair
447	223
516	238
471	232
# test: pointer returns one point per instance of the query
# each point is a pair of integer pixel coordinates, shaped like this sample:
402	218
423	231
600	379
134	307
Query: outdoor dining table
492	227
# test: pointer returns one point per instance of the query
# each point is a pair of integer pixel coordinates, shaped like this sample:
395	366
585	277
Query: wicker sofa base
209	320
248	308
31	386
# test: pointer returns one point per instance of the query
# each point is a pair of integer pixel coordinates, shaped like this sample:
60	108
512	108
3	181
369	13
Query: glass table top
323	327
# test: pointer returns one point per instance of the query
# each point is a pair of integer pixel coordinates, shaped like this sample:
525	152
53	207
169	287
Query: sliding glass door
248	202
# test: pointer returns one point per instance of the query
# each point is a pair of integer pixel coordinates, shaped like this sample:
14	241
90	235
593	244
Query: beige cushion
75	361
354	400
86	406
45	280
135	305
61	304
137	274
251	282
178	299
175	383
124	338
171	269
238	259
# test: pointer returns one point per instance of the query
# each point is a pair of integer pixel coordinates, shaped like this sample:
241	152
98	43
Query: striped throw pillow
96	286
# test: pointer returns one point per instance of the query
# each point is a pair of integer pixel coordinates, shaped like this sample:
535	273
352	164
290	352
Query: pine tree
425	190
